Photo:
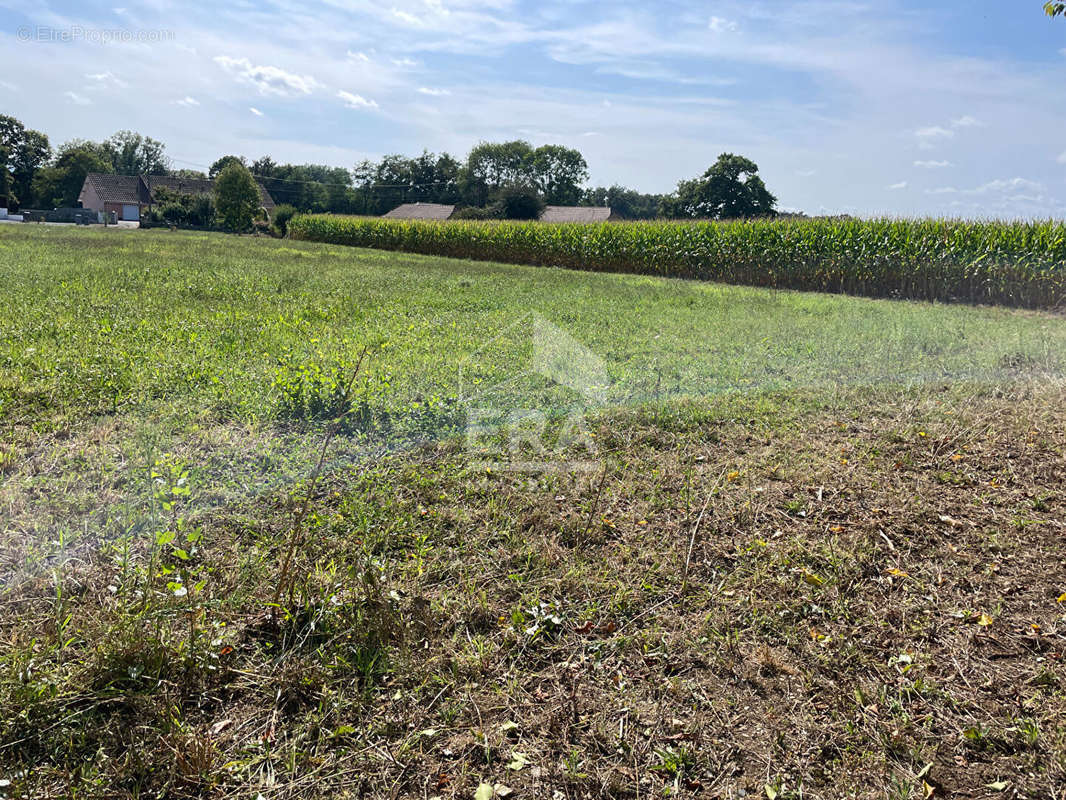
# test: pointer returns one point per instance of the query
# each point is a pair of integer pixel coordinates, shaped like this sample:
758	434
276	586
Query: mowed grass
192	325
820	553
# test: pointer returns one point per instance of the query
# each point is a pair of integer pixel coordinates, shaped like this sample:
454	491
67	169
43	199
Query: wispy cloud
966	122
932	164
188	102
107	79
255	111
407	17
269	80
897	186
77	99
934	132
1062	157
434	92
722	25
355	100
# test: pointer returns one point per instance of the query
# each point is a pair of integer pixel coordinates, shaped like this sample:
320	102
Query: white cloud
966	122
900	185
934	132
932	164
1003	186
268	79
77	99
188	102
434	92
722	25
406	17
404	63
1008	185
107	78
9	86
358	56
355	100
806	173
255	111
1062	157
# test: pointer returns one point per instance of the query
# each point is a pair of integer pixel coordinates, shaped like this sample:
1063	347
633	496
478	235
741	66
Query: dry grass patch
870	606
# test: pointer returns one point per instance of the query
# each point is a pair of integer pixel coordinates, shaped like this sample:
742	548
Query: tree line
496	179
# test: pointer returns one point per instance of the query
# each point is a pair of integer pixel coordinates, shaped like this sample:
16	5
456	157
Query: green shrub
1015	263
519	202
282	215
477	213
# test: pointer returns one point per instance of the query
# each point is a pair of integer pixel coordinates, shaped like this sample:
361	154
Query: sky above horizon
900	108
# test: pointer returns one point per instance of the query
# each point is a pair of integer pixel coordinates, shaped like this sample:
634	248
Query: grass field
819	553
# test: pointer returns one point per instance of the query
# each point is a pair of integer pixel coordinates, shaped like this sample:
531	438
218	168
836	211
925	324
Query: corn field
1017	263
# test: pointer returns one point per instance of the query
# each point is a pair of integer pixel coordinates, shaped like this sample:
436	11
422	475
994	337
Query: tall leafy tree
134	154
236	197
27	152
34	153
60	184
627	203
7	180
428	178
492	165
558	173
729	189
224	162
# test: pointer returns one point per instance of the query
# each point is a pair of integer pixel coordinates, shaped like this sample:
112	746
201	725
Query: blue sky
847	106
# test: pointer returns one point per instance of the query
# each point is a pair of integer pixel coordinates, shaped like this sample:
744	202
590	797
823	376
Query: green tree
60	184
224	162
7	180
236	197
134	154
731	188
519	202
627	203
1054	9
558	173
492	165
188	174
28	151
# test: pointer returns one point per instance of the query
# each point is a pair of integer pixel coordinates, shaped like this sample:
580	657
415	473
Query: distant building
128	196
427	211
578	214
436	211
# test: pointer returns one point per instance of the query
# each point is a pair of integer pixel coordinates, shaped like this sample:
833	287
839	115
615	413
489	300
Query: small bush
282	215
519	202
477	213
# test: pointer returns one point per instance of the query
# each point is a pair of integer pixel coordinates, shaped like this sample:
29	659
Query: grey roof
139	189
128	189
199	186
575	214
421	211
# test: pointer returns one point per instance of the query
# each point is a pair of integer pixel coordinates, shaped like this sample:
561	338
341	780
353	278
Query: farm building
129	195
429	211
578	214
